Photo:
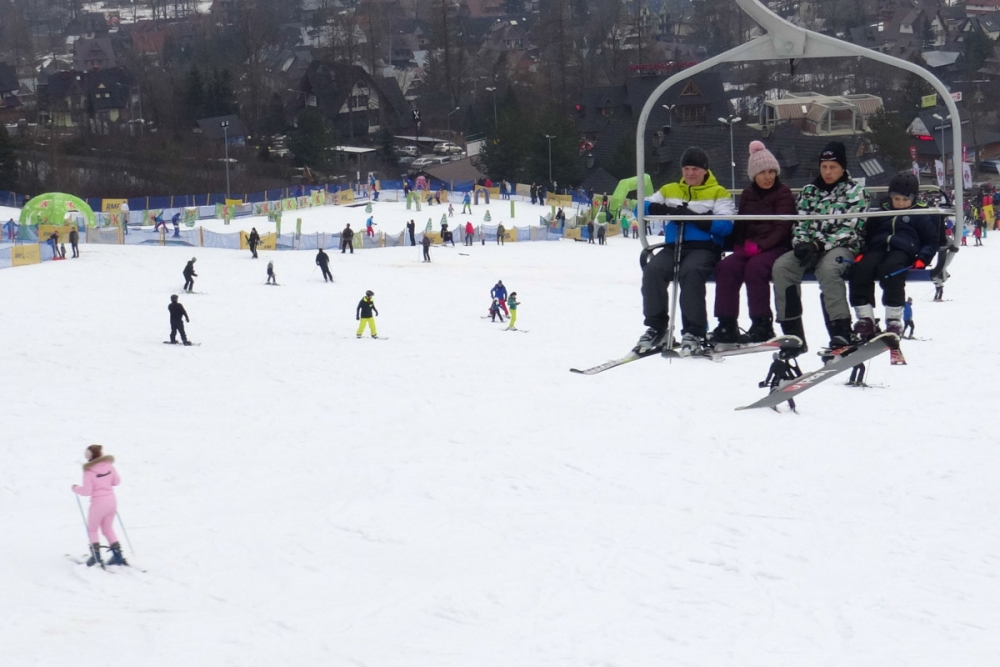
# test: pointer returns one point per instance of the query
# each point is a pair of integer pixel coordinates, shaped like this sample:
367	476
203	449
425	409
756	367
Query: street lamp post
730	121
550	137
449	118
670	115
494	91
944	157
225	142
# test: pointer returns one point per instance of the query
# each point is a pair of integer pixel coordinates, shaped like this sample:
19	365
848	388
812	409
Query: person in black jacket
411	228
253	241
177	317
347	239
74	241
891	247
364	314
190	275
426	243
323	262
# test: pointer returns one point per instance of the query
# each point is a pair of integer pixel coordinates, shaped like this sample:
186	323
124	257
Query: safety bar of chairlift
805	216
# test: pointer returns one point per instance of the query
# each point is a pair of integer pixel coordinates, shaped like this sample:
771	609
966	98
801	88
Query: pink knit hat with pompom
760	160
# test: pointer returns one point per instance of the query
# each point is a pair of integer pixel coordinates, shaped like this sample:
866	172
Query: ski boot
691	345
864	328
795	328
95	555
649	341
760	330
116	555
728	331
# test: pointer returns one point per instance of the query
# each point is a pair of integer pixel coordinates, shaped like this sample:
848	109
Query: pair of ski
716	353
841	360
107	567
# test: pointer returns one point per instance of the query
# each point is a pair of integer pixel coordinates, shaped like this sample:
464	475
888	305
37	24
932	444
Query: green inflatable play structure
51	209
622	191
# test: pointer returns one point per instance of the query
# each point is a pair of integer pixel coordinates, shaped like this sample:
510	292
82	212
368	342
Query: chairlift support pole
785	41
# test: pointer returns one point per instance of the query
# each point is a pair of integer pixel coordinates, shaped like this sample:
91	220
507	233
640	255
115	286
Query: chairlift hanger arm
783	41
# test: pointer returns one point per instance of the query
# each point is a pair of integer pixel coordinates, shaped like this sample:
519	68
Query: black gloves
806	252
656	208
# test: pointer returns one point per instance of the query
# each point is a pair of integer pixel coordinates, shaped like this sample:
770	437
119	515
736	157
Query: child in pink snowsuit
99	480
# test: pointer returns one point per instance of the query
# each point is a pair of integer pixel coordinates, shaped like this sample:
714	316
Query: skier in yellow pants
364	314
512	305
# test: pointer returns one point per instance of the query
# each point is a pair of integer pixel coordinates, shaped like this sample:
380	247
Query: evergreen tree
888	134
193	103
309	141
219	97
8	161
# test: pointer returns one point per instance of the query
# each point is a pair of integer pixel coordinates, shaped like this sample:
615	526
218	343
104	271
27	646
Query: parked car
990	166
424	162
447	148
406	159
410	151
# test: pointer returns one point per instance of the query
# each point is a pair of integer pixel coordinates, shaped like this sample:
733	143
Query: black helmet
173	297
369	293
904	184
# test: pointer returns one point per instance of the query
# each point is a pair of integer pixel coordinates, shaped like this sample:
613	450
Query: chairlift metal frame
784	41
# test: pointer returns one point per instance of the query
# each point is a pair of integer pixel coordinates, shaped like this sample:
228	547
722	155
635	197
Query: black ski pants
346	244
177	328
326	272
696	266
253	249
188	283
888	268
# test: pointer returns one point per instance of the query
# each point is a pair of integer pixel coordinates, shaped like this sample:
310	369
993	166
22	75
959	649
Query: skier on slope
177	317
513	303
99	480
271	278
323	262
190	275
696	193
253	240
891	247
347	239
364	314
499	292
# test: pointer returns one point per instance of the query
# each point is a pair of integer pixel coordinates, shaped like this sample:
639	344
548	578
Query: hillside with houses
326	91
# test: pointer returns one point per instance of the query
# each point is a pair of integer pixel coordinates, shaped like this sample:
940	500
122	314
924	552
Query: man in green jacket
697	193
825	247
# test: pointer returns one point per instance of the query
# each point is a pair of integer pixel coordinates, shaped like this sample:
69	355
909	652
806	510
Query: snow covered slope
452	496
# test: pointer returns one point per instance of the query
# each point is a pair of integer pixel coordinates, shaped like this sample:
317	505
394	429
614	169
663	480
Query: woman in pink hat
757	244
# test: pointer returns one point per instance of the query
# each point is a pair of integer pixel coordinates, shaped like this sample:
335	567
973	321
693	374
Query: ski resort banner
46	231
345	197
112	205
562	201
268	241
26	253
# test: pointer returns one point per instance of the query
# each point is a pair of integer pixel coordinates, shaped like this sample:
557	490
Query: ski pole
84	517
125	532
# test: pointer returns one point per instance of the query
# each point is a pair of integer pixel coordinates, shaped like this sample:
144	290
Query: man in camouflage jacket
824	247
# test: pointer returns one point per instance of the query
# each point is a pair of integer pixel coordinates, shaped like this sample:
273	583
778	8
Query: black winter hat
905	184
835	152
695	157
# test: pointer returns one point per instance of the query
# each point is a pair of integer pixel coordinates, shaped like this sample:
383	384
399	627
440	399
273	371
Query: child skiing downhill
495	311
908	318
271	278
364	314
99	480
512	304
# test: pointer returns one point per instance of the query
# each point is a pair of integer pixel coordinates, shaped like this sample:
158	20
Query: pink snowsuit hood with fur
99	478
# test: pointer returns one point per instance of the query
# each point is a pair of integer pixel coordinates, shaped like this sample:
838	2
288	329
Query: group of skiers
880	249
502	305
